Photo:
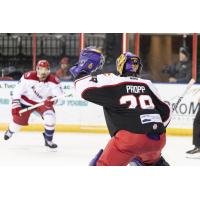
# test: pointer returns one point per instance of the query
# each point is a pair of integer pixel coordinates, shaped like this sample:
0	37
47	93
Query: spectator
63	72
11	73
180	72
6	78
14	73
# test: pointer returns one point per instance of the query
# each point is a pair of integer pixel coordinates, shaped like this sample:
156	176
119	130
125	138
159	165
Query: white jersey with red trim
30	90
129	103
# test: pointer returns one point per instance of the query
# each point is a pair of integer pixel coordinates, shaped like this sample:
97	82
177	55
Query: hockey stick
42	103
189	85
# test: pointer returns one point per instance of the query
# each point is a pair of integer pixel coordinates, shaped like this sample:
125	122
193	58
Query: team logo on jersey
155	126
26	75
90	66
36	93
82	62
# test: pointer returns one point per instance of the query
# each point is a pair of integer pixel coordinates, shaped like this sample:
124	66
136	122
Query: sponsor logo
184	108
7	85
72	103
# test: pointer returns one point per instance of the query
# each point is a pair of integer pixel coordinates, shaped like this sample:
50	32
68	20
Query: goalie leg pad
119	151
125	146
136	162
94	160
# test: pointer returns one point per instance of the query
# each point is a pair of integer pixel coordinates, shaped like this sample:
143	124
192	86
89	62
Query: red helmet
43	63
43	69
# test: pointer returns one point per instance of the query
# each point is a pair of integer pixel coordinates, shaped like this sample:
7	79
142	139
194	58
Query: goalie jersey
129	103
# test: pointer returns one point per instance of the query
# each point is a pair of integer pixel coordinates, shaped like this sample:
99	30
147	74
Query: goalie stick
42	103
189	85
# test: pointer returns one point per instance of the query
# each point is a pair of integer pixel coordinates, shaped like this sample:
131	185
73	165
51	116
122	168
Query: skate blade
193	156
48	149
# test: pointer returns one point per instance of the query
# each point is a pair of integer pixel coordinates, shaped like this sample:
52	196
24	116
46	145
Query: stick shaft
42	103
189	85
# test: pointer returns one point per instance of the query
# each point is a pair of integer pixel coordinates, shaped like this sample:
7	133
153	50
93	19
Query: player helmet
43	69
128	62
43	63
91	58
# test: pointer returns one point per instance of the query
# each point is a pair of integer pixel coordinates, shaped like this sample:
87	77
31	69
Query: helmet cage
128	62
43	69
91	58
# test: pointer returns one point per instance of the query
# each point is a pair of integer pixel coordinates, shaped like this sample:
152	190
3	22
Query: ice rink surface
77	149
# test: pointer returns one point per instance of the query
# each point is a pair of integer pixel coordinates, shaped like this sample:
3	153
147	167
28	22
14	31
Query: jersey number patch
144	101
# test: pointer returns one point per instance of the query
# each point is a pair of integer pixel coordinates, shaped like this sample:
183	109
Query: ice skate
50	144
194	153
7	135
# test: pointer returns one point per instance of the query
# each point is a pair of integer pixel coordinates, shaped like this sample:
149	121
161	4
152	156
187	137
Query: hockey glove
48	103
16	107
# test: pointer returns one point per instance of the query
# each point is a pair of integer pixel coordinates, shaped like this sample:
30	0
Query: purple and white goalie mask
132	65
90	59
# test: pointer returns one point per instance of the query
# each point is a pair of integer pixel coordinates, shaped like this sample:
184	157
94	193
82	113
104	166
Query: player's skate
8	134
49	144
194	153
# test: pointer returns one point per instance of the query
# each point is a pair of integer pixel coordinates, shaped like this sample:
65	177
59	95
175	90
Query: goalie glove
16	107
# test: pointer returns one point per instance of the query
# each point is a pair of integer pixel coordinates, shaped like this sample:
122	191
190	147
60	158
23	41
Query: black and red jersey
129	103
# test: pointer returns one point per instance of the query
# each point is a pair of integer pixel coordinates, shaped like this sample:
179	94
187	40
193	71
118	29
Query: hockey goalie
136	116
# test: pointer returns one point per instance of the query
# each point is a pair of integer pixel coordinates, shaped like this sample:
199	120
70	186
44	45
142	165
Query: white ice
77	149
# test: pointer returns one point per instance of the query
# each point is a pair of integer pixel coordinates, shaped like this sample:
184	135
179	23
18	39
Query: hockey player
195	152
34	87
136	117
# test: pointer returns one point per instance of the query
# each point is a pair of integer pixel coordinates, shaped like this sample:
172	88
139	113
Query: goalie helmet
91	58
129	63
43	69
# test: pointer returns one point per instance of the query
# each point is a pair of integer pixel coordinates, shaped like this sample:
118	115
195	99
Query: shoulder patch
32	75
53	79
